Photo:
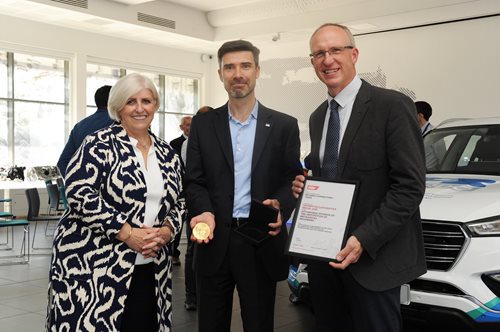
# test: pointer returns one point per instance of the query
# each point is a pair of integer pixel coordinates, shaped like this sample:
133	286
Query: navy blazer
382	150
90	124
209	180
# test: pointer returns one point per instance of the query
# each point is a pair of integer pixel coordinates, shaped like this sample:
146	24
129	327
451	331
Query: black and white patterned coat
91	270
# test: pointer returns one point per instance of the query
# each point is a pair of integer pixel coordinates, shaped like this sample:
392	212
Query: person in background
424	112
177	143
239	152
111	265
434	149
379	146
185	126
189	275
202	110
91	123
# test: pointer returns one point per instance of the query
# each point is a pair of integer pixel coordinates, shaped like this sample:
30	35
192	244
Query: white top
184	150
154	185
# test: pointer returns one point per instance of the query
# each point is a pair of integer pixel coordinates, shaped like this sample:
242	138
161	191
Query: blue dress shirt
242	140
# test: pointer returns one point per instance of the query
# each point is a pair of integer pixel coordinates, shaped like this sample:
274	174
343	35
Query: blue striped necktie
330	157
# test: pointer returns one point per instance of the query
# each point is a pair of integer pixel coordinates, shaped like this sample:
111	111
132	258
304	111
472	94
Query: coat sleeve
175	215
405	173
198	198
291	168
86	186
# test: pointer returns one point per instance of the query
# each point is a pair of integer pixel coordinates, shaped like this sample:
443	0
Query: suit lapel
222	131
316	134
262	132
359	109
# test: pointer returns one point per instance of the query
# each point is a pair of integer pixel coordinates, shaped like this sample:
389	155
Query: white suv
461	223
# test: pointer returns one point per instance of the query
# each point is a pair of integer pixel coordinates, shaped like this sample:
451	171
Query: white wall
20	35
455	67
79	47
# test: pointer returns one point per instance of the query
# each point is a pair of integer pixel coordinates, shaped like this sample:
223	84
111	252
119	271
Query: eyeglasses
320	55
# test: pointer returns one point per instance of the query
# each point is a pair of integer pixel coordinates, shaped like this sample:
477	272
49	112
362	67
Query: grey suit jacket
209	180
382	149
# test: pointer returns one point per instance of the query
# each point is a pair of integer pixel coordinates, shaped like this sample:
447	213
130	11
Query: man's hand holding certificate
321	219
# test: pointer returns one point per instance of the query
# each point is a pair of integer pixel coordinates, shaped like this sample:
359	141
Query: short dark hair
204	109
238	46
424	108
101	96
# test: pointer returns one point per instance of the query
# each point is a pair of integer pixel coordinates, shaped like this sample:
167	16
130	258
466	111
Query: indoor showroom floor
23	295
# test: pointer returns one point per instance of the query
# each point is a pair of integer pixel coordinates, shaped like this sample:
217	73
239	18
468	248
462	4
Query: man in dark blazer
239	152
176	143
381	149
90	124
424	113
185	126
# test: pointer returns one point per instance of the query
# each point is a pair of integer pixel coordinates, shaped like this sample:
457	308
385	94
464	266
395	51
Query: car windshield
469	150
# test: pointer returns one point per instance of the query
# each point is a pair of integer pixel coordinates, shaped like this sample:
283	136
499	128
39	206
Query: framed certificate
321	218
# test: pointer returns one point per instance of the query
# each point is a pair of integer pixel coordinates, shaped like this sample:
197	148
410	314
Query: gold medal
201	231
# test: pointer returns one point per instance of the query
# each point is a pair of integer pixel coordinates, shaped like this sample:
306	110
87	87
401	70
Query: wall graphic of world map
291	86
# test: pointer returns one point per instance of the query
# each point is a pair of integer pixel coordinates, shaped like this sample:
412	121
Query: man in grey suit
237	153
380	147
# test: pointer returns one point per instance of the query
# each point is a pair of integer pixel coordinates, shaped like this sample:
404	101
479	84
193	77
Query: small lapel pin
268	125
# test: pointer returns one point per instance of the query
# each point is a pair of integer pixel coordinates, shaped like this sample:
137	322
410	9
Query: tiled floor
23	296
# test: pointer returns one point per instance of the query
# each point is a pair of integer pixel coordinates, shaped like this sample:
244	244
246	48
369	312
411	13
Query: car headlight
485	228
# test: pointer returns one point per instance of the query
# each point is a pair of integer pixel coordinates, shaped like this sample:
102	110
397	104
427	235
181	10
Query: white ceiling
201	25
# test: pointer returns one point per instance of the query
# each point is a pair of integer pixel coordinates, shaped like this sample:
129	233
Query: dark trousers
242	269
140	305
189	275
341	304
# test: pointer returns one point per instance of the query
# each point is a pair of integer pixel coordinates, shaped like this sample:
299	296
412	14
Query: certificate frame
322	218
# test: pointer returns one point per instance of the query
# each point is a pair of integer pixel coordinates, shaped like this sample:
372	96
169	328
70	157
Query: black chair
34	213
54	199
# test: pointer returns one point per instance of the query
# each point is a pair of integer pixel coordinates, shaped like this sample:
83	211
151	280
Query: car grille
443	243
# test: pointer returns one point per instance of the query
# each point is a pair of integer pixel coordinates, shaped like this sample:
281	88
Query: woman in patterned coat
111	263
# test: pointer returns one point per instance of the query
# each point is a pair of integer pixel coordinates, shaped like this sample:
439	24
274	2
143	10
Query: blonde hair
126	87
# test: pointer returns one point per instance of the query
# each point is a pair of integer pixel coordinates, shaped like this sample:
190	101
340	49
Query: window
3	75
97	76
181	99
4	126
4	139
179	96
472	149
33	103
